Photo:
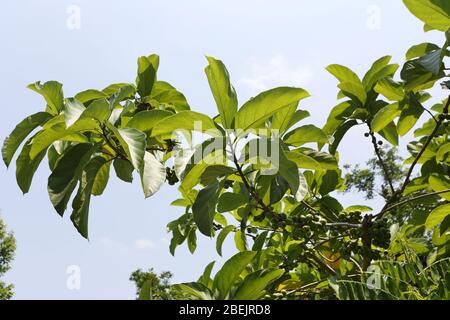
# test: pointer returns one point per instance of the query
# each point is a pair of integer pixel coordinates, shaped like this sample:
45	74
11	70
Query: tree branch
383	211
387	175
425	146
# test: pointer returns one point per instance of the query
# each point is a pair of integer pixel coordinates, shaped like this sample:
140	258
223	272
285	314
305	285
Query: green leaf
240	240
147	68
124	170
254	285
98	110
167	95
193	176
229	201
343	74
305	134
20	132
289	171
145	292
222	90
153	175
384	116
133	142
205	279
337	116
68	171
25	167
283	119
257	110
420	50
437	216
390	89
186	120
390	133
354	90
371	76
192	240
204	208
101	179
221	238
52	93
90	95
146	120
229	273
431	62
80	204
341	130
409	116
260	240
72	111
46	137
434	13
440	183
311	159
442	152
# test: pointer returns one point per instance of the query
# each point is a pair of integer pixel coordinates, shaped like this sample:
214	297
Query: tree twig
383	211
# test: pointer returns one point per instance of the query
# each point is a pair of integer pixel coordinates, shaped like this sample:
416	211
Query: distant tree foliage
7	249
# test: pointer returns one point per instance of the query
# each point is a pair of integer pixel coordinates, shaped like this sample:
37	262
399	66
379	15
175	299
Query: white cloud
277	71
144	244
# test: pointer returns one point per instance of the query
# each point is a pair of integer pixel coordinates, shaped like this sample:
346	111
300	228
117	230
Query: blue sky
263	43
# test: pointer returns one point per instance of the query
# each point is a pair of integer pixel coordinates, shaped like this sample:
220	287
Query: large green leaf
46	137
340	132
20	132
409	116
440	183
90	95
124	170
343	74
222	90
101	179
80	204
204	208
434	13
133	142
420	50
52	93
354	90
311	159
254	285
437	216
72	111
167	95
146	120
66	174
305	134
288	117
153	175
221	238
193	176
26	167
371	76
337	116
257	110
390	89
230	201
229	273
147	68
186	120
385	116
